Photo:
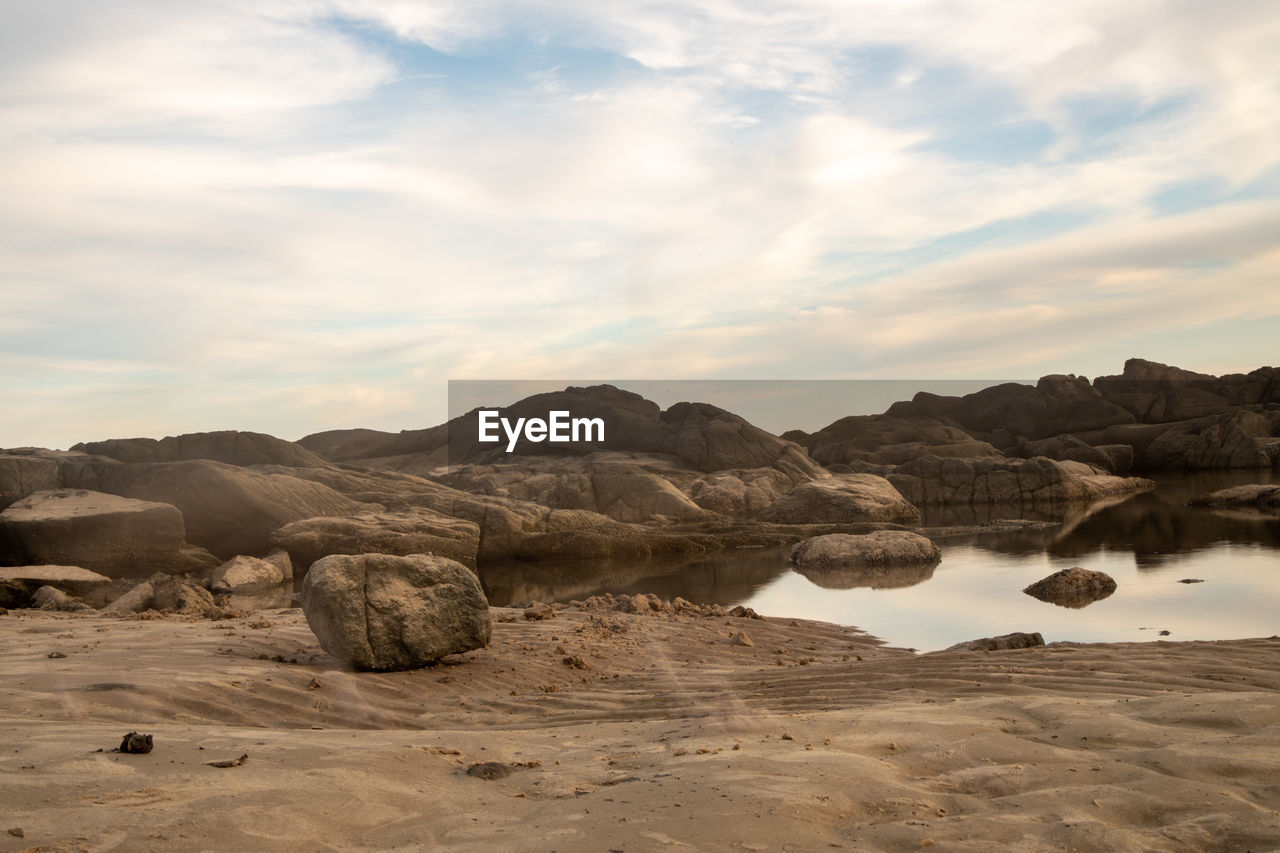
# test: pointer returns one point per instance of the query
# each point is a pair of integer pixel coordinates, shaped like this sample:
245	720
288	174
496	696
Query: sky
290	216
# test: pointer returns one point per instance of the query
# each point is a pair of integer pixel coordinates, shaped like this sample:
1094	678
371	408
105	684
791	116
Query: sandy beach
618	731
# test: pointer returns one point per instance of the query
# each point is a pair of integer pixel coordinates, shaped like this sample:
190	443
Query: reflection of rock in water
722	578
874	577
1074	587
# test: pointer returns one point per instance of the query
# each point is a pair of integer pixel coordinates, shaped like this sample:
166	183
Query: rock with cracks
385	612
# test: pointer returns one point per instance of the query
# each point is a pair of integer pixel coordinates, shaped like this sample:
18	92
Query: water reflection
1147	542
871	577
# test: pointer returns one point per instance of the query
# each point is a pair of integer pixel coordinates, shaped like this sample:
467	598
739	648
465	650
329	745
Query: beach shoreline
633	732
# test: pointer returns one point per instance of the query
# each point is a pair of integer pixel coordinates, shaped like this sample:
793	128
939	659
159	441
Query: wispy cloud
292	216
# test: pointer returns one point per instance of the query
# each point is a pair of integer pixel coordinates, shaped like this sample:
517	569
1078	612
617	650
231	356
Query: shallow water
1148	543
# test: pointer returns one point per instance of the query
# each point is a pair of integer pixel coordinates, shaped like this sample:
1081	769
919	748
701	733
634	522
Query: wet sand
630	732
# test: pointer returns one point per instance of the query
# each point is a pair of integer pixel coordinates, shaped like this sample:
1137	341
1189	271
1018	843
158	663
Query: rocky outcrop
52	598
1031	483
230	446
1159	393
113	535
1074	587
228	510
1237	440
383	612
1255	497
416	530
247	574
843	498
886	440
1057	404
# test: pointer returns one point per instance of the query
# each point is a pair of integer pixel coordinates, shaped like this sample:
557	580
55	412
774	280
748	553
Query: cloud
293	215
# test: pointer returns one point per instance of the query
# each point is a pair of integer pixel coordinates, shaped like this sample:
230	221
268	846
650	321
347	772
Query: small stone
17	832
137	744
741	639
788	736
490	770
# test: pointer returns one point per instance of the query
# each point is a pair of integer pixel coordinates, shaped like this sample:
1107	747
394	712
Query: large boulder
230	446
384	612
843	498
179	596
228	510
1159	393
113	535
1074	587
416	530
1030	483
245	574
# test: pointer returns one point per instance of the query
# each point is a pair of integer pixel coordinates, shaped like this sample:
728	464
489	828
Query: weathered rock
280	558
1004	642
23	474
1264	498
180	597
71	579
136	600
885	440
230	446
228	510
1236	440
1058	404
246	574
1036	482
416	530
843	498
880	548
113	535
50	598
1074	587
385	612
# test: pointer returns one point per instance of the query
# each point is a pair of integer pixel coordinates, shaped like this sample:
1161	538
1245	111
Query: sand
659	733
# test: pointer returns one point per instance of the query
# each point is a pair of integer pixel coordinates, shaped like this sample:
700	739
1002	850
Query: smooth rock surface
72	579
843	498
385	612
416	530
879	548
113	535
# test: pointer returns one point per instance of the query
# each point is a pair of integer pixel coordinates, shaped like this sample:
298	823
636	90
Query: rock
741	639
71	579
1264	498
136	600
1074	587
230	446
385	612
116	536
538	611
1237	440
135	743
228	510
49	598
880	547
744	613
490	770
1033	483
843	498
886	440
1056	405
246	574
1004	642
180	597
280	558
24	474
416	530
